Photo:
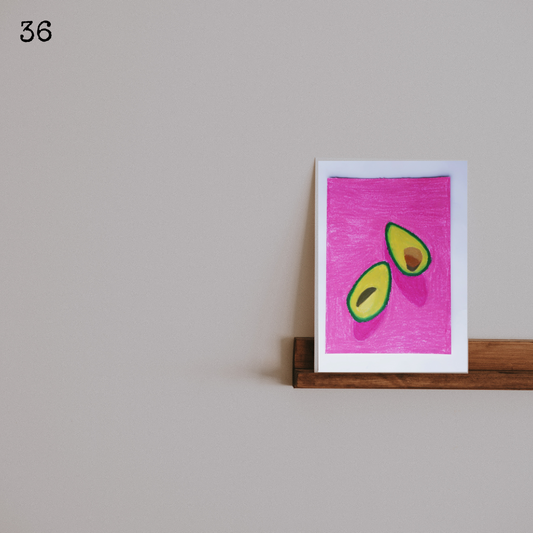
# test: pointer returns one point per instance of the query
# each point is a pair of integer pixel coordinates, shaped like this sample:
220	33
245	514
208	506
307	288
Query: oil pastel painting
388	265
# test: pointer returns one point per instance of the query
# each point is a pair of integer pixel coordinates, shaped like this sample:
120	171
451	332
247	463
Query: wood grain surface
493	365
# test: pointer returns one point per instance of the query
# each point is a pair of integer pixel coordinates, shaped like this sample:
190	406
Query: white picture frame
400	361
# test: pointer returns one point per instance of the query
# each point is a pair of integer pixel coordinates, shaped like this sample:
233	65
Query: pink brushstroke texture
418	316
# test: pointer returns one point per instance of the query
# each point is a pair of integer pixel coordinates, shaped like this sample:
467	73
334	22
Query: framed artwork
391	266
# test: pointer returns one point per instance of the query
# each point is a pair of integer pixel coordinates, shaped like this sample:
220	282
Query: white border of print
457	362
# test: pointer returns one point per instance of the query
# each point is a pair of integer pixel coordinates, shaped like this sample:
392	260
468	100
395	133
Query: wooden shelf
493	365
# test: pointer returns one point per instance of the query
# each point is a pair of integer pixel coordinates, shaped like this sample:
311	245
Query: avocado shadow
363	330
414	288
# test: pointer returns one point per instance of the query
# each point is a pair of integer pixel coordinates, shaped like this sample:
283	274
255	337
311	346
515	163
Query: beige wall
156	230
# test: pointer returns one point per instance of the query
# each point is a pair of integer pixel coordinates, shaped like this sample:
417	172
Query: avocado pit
365	295
413	258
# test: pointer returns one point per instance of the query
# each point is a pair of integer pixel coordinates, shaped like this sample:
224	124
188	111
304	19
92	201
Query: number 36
43	34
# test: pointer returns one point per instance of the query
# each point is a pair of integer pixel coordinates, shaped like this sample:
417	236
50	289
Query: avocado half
408	251
370	294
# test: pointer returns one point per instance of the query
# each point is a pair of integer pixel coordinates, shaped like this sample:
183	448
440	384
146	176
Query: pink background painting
417	318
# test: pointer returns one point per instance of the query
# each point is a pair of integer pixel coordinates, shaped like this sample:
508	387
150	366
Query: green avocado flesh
370	294
408	251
